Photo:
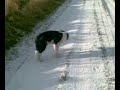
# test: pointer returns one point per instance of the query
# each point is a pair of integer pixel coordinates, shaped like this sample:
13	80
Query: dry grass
10	6
14	5
23	15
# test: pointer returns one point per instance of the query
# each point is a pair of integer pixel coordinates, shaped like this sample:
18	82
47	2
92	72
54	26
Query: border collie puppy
53	37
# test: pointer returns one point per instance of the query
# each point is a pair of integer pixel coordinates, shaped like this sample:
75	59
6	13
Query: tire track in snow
108	74
64	74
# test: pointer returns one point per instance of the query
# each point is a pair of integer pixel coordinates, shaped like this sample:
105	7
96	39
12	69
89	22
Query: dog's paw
58	55
41	60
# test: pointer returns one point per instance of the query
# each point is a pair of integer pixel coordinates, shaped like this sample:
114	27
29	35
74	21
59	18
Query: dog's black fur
54	37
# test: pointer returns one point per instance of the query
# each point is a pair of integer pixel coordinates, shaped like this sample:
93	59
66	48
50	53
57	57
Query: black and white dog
53	37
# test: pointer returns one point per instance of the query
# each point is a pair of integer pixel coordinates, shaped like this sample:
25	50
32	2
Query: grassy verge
23	15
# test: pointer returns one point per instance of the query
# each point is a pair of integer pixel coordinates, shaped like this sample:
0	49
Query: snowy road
88	56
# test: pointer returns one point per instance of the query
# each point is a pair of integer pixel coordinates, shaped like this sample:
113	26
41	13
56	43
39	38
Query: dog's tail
66	34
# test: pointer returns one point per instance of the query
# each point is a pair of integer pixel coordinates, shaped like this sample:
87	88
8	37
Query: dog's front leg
38	56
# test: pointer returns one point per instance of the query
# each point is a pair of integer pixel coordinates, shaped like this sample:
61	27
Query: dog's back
45	37
49	36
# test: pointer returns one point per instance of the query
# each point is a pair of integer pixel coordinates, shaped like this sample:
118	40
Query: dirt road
87	58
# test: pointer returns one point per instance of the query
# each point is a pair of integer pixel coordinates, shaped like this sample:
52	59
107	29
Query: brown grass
13	5
10	6
23	15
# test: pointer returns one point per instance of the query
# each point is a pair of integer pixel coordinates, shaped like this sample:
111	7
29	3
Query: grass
23	15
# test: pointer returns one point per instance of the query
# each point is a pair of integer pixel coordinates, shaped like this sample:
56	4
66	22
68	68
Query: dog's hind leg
56	48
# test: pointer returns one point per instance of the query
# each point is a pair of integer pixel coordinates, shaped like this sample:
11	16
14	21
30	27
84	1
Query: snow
86	59
110	6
